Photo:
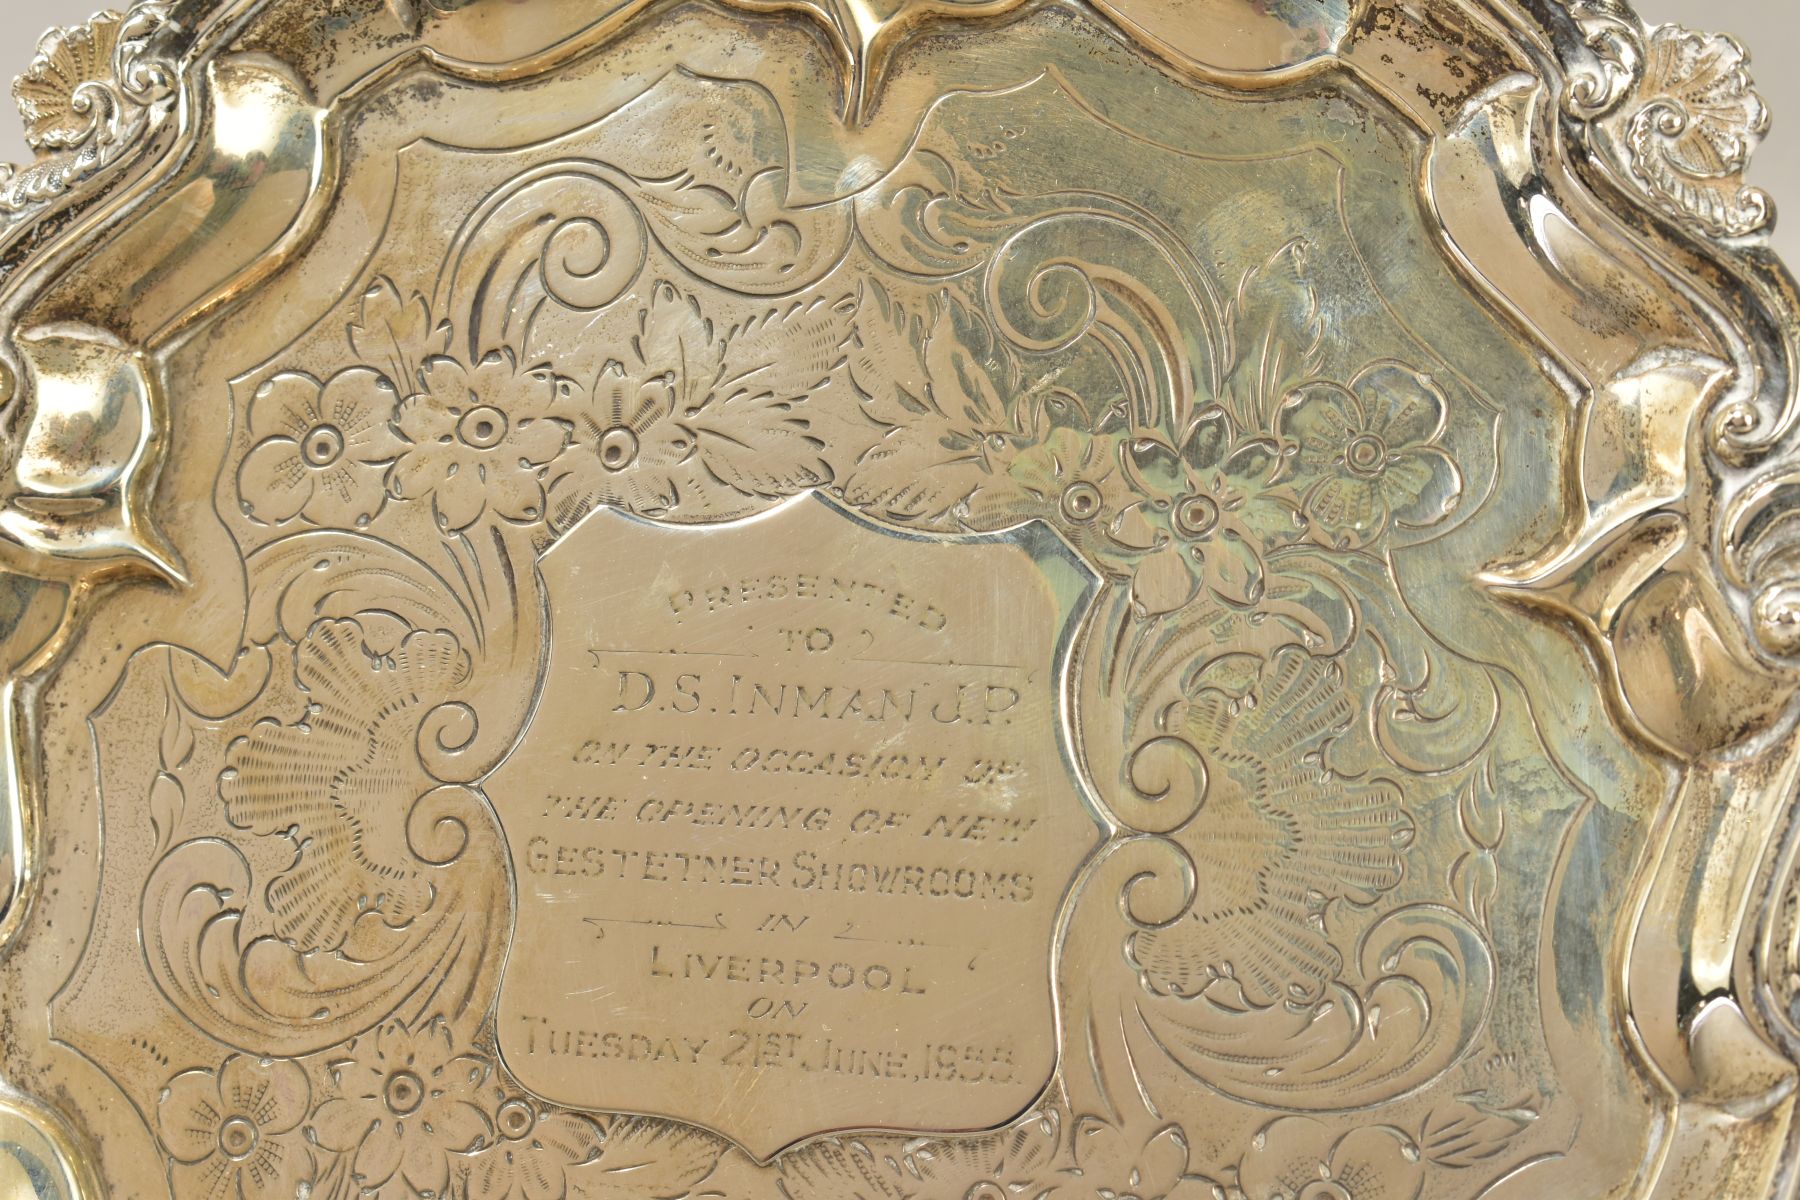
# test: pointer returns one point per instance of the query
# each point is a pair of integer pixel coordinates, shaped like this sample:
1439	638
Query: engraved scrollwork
1258	865
720	204
359	704
1265	815
1266	720
334	944
1055	1152
1260	500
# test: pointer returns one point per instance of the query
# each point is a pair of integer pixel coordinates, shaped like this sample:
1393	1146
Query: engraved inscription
765	822
795	806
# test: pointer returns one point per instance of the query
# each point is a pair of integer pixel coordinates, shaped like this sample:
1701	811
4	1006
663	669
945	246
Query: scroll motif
1691	140
1684	115
1263	718
87	98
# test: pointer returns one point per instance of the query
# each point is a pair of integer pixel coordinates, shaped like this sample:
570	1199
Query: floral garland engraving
1261	715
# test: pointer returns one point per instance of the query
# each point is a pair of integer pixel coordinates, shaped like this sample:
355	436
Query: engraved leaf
1233	674
886	365
1015	1157
1480	809
759	447
968	368
675	339
168	801
740	234
837	1167
1278	336
1469	1135
1476	881
714	195
732	129
942	384
177	734
643	1158
751	436
396	333
789	352
914	475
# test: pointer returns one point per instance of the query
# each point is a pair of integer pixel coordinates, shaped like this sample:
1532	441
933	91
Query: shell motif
68	90
1700	118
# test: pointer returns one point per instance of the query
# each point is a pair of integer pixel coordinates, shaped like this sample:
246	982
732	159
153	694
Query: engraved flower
1075	480
627	446
405	1103
1148	1165
1278	837
478	437
341	780
322	450
229	1133
690	405
1299	1158
1204	519
532	1153
1370	452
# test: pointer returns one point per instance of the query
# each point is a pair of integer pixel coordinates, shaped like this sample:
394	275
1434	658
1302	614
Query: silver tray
833	599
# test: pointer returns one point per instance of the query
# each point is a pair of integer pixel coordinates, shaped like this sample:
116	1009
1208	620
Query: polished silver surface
919	599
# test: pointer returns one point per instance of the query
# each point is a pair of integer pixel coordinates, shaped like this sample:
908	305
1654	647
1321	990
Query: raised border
1638	136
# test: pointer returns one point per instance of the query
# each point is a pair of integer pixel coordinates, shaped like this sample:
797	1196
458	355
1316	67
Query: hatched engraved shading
915	601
